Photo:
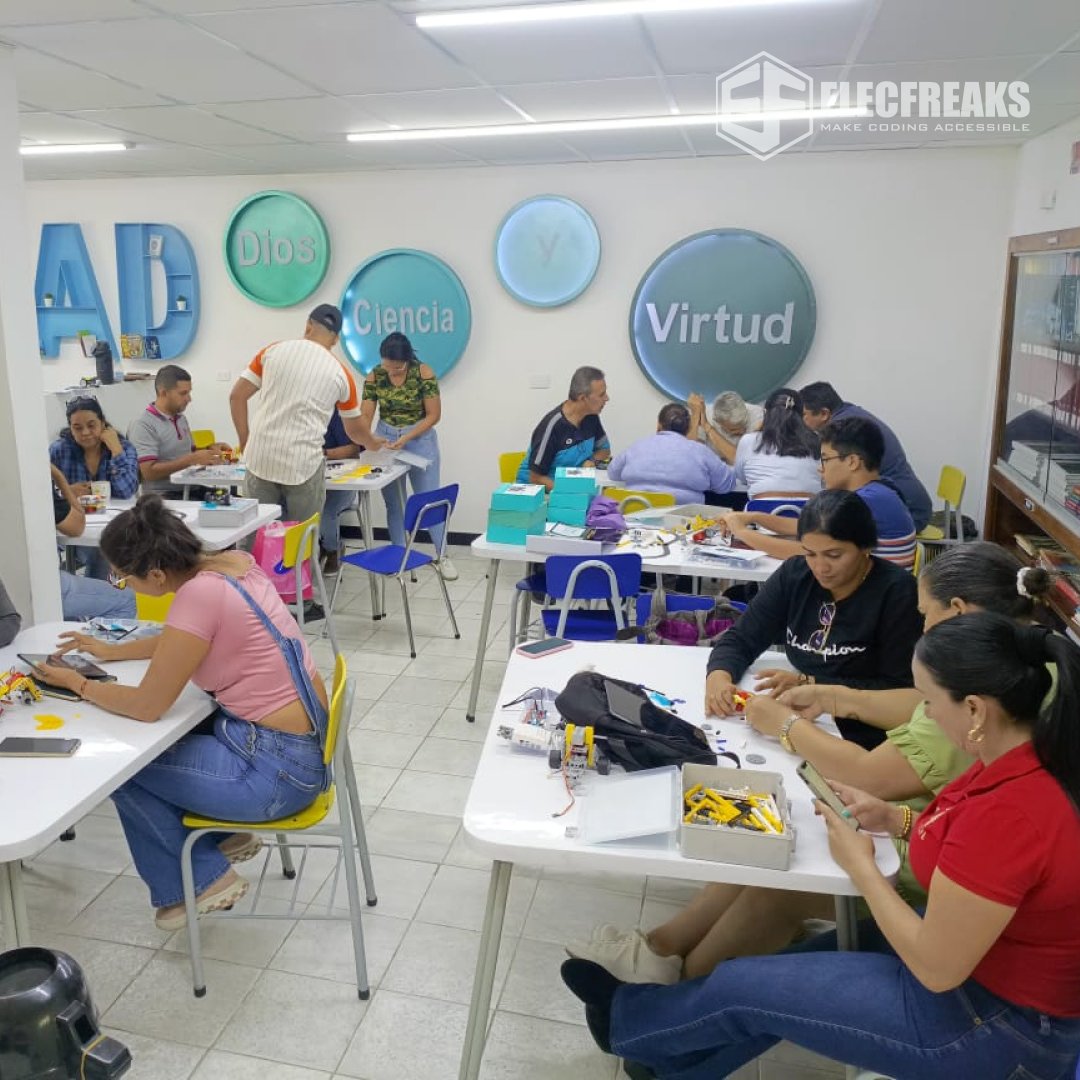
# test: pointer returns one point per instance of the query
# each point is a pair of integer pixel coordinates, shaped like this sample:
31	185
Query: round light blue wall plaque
547	250
727	309
410	291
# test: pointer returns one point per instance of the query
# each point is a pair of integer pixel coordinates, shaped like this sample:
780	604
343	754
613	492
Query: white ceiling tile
806	35
353	49
181	124
30	12
1057	82
56	84
697	93
525	150
292	157
207	7
315	119
142	161
50	128
438	108
408	155
1001	67
604	49
590	99
613	145
707	143
933	30
165	56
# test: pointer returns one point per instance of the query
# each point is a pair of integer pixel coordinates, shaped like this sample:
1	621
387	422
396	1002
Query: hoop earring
976	733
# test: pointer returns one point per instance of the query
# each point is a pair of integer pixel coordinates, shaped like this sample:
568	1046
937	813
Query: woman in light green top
911	766
406	393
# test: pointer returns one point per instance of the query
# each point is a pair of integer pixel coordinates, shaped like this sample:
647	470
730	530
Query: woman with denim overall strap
261	755
986	982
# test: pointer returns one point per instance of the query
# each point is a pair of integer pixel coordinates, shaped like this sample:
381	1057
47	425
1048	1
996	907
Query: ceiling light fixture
38	149
585	9
569	127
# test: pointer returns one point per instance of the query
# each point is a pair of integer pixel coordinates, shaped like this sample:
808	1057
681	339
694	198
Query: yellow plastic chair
950	490
153	608
202	438
347	831
509	464
300	547
630	499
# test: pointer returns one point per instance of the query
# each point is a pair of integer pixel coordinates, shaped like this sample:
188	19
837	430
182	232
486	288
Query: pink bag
268	550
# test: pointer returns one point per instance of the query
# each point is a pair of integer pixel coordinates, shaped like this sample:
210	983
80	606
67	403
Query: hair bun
1031	643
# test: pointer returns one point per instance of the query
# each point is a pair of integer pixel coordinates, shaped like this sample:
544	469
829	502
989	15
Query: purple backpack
605	519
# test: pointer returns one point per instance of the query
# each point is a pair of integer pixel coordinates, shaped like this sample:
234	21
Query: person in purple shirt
670	461
822	404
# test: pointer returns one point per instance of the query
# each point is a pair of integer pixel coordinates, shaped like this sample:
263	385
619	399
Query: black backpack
662	739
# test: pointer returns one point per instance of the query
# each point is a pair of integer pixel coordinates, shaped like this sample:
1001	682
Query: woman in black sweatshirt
844	616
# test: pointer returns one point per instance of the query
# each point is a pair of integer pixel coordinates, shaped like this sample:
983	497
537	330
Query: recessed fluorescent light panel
568	127
585	9
40	149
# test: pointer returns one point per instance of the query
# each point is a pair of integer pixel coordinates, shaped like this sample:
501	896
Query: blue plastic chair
615	578
535	583
789	506
424	509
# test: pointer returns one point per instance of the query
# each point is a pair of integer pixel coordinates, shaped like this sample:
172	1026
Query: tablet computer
73	661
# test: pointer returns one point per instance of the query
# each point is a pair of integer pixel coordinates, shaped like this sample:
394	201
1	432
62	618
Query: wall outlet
539	381
223	376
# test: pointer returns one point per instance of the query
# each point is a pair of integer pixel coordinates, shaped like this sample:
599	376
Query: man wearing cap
301	382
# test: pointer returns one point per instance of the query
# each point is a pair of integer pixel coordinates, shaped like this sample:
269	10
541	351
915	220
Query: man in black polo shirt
571	435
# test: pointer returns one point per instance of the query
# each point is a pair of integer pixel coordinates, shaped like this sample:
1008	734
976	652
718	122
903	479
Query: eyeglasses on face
832	457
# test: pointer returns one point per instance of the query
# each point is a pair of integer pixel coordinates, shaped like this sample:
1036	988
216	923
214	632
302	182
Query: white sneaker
447	569
626	954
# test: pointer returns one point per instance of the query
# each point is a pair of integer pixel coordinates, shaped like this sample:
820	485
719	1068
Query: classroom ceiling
221	87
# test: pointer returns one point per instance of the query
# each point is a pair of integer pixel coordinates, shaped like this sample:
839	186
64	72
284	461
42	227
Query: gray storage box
238	512
715	843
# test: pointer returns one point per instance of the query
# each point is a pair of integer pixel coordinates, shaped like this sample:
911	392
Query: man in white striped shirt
301	382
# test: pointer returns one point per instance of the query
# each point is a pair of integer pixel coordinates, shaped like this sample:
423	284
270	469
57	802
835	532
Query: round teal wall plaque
277	249
726	309
547	250
410	291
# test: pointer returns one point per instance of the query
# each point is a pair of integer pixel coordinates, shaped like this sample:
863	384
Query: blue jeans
862	1008
88	598
334	505
242	772
426	446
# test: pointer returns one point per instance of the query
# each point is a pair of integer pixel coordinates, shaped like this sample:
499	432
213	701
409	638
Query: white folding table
678	560
509	814
42	797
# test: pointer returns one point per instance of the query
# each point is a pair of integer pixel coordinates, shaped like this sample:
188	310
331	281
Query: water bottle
103	358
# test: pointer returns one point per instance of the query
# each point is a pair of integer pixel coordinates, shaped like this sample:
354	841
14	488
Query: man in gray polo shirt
161	434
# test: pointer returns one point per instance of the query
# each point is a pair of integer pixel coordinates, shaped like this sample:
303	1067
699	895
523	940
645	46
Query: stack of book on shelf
1062	480
1029	459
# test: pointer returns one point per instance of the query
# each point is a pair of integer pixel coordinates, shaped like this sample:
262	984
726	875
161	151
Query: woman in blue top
90	448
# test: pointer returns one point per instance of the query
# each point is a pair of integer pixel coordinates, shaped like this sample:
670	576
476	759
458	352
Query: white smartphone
543	648
818	785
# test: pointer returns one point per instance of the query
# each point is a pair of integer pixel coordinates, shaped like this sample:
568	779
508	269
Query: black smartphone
73	661
16	746
817	784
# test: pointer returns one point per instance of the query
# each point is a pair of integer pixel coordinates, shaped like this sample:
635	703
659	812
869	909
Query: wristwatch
785	733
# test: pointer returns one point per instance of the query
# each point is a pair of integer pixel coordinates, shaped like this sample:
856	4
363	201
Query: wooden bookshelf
1038	392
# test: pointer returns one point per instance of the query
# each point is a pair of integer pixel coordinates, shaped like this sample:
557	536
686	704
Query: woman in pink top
259	757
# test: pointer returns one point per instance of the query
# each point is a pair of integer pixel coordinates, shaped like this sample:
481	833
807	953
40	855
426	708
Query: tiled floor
281	1001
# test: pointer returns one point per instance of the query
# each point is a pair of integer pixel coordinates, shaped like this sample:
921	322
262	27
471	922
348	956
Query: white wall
905	250
1043	170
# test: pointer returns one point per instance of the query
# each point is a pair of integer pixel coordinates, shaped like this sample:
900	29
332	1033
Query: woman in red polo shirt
986	982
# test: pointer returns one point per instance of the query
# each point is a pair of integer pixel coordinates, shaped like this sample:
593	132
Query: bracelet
785	733
909	818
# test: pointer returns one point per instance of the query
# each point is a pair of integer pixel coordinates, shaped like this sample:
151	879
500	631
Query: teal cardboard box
512	527
526	497
575	481
561	501
566	516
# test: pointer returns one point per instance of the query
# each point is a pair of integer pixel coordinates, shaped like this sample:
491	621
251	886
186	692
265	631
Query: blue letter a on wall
65	273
